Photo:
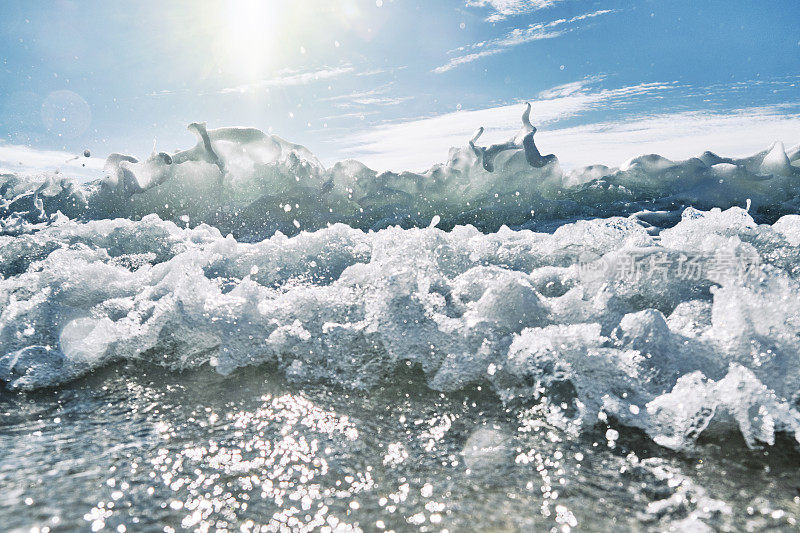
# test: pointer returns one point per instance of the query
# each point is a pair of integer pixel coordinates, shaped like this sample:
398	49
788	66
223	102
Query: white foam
252	184
349	307
776	161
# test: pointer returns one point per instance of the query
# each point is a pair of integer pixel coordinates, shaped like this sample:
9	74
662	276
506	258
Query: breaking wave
252	184
652	298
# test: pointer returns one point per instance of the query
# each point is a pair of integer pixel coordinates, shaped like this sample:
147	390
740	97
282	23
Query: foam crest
252	184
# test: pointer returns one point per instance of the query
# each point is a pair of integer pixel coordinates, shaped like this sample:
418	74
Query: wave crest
252	184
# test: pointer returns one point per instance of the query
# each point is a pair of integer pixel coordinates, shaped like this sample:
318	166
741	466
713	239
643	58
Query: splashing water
252	184
642	300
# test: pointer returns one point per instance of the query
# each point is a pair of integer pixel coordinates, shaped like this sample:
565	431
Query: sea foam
536	315
252	184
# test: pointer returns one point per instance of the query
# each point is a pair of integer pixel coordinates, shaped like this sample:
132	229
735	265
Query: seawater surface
139	449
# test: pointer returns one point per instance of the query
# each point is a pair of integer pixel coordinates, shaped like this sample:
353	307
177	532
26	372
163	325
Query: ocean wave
252	184
645	294
688	331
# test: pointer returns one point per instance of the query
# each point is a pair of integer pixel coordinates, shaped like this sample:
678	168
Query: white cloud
163	92
26	160
516	37
420	143
361	115
468	58
290	78
416	144
378	71
674	135
502	9
372	97
568	89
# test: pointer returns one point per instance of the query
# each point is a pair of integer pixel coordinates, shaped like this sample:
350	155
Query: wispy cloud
469	58
568	89
378	71
502	9
290	78
372	97
361	115
162	92
516	37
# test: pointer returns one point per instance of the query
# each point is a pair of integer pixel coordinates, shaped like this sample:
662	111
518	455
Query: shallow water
140	448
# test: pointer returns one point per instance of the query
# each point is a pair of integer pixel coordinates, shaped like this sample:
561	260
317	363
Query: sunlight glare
248	39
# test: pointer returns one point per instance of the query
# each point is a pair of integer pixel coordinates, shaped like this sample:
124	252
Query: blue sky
394	83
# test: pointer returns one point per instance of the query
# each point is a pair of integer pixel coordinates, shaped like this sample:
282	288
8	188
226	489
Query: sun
247	40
